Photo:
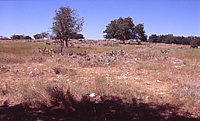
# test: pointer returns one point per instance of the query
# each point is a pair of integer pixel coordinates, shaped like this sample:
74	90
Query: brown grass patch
144	79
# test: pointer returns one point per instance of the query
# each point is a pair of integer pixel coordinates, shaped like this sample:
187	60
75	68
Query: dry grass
150	74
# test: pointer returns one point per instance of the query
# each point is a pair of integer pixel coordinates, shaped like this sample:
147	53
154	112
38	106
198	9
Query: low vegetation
99	80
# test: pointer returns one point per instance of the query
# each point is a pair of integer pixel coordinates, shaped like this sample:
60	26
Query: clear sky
29	17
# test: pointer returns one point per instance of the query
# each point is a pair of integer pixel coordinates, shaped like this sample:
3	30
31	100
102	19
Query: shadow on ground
107	109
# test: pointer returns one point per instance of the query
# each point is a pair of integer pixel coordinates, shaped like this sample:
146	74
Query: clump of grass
57	94
99	83
5	89
50	94
187	97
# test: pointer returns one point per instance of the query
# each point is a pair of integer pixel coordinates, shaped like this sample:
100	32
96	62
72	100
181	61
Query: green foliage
66	24
27	37
45	35
170	39
124	29
17	37
140	33
76	36
37	36
41	35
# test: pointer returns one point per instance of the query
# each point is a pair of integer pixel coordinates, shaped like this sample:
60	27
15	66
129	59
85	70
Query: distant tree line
3	38
67	25
40	36
19	37
170	39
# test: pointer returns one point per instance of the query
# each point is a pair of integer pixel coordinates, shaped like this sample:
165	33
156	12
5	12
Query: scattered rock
36	69
159	81
161	93
148	83
107	74
30	72
125	77
92	95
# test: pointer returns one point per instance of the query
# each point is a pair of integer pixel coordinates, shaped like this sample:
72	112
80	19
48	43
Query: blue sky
29	17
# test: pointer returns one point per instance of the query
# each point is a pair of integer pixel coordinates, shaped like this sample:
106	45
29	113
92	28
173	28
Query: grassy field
130	82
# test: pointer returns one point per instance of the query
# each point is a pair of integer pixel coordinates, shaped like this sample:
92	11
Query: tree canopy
38	36
20	37
140	33
41	35
66	23
76	36
170	39
124	29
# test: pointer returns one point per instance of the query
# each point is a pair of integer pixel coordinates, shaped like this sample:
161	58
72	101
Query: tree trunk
61	47
123	41
66	42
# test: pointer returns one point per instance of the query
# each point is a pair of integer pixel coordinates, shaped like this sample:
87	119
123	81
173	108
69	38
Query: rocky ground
148	73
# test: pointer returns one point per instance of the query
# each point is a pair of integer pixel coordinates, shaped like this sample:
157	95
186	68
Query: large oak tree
124	29
66	23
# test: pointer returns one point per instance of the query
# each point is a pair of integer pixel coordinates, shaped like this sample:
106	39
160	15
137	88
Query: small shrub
193	44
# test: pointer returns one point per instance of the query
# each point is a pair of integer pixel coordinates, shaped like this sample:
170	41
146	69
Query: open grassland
130	82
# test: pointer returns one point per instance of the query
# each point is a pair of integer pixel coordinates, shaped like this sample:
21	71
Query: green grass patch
16	52
191	54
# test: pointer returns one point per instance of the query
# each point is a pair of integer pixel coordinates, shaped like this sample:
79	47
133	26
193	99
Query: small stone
162	97
36	69
161	93
92	95
125	77
148	83
159	81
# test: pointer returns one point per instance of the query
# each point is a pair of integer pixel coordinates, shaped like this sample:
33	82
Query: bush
194	44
